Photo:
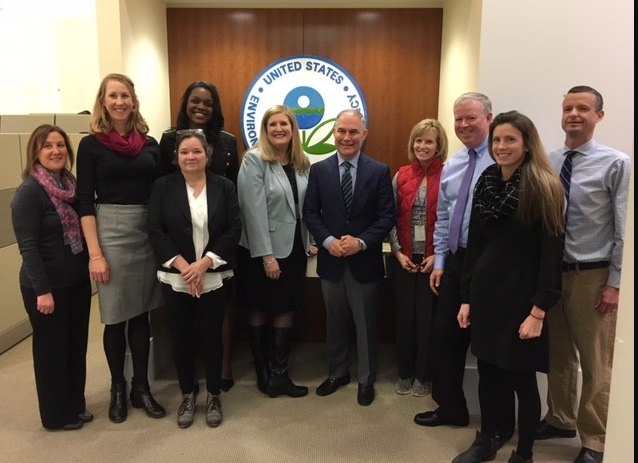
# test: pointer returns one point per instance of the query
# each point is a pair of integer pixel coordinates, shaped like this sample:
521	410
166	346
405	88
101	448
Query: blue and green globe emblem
309	107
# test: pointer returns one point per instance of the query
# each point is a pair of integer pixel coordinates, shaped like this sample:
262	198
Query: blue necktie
346	185
456	222
566	172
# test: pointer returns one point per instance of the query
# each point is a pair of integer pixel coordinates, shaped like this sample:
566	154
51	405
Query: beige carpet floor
255	428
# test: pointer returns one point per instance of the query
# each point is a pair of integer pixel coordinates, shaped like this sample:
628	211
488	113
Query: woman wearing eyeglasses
194	228
117	164
200	108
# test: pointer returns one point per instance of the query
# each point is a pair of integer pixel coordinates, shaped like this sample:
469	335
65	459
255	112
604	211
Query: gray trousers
345	299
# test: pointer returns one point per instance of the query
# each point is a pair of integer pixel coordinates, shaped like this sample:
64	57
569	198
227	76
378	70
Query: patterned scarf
495	198
130	145
63	195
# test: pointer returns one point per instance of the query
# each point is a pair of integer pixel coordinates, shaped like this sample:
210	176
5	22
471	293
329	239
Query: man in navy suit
350	232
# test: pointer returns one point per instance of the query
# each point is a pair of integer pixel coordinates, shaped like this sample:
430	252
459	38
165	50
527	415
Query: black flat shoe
72	426
141	398
227	384
433	419
85	416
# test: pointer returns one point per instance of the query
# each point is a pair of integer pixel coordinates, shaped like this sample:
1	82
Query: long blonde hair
295	152
101	121
541	193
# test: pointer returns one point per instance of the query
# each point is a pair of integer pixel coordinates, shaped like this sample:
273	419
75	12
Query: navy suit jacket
170	225
372	216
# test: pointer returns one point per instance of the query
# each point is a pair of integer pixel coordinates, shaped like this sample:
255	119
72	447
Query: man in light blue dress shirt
472	118
582	326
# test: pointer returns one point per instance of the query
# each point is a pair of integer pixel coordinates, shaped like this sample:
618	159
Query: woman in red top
416	191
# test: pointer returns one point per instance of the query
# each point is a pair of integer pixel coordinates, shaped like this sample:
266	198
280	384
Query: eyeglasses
185	132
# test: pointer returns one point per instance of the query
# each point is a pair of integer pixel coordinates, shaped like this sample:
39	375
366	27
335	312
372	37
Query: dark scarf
495	198
130	145
63	195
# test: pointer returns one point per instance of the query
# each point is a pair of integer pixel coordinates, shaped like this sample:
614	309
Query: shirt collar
354	161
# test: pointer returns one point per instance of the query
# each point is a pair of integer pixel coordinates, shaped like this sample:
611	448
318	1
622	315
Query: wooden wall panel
394	56
228	48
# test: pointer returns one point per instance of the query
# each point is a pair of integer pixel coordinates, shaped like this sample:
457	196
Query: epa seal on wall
314	88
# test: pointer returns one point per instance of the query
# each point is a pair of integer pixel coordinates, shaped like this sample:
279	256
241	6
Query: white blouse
199	217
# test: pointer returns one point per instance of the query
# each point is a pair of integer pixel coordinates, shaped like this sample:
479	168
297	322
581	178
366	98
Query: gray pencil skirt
133	288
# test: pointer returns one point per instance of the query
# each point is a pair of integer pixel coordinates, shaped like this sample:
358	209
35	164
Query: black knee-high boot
280	382
259	346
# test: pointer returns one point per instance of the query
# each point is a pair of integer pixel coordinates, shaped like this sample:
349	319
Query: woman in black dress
272	252
511	277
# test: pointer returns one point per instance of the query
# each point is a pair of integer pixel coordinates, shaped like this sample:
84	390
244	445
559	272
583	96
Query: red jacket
408	180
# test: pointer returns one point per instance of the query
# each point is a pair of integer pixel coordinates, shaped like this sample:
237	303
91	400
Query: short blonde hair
441	138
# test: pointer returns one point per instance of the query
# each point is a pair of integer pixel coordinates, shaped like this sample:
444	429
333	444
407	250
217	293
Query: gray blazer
268	207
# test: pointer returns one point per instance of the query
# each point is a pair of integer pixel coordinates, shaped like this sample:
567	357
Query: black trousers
196	323
450	343
59	352
496	397
414	309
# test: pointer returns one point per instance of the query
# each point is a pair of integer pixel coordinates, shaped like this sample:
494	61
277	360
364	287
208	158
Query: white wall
533	51
48	56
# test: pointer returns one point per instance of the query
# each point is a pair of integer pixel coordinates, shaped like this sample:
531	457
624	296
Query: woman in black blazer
200	108
194	228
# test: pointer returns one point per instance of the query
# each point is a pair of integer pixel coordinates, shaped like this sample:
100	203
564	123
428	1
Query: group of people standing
528	252
522	246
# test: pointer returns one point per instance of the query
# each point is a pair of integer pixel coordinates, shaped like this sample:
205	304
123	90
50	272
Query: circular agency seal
314	88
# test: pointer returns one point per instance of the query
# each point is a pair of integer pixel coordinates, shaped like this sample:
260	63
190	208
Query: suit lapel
280	174
213	197
362	177
180	195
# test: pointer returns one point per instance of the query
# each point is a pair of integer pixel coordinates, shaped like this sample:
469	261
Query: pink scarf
63	195
130	145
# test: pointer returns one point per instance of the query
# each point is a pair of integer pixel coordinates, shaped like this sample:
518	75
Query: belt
584	265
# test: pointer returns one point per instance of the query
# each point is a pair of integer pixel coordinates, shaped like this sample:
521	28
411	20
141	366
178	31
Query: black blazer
225	159
170	225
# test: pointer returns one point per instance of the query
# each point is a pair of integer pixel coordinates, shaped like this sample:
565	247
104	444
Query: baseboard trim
13	335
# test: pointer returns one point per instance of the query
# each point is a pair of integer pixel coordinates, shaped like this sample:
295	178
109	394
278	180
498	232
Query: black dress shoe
589	456
85	416
227	384
433	419
365	394
547	431
330	385
141	398
482	449
72	426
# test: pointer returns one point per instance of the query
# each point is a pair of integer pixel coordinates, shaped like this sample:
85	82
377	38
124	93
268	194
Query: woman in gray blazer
274	246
